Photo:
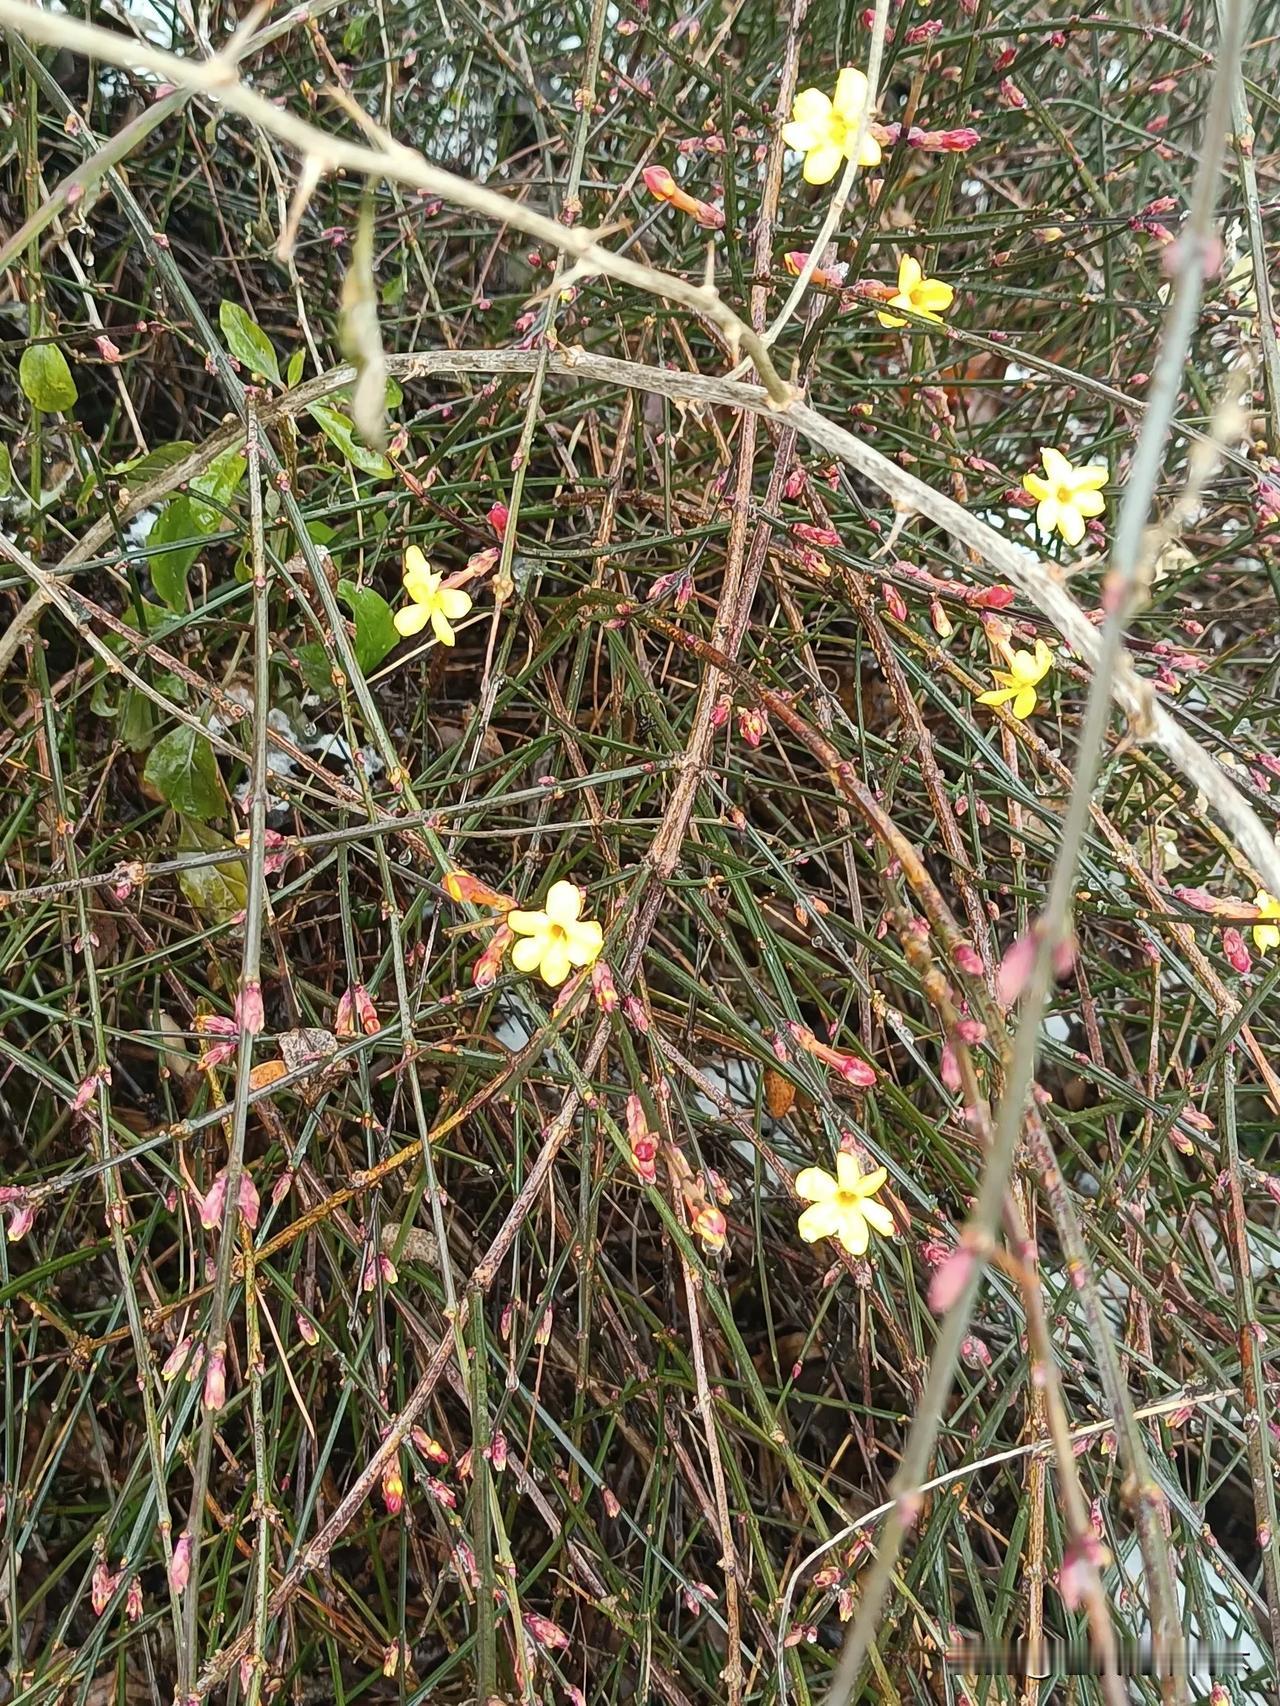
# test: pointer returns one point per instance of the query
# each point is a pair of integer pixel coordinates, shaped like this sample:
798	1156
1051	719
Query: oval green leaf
184	772
46	379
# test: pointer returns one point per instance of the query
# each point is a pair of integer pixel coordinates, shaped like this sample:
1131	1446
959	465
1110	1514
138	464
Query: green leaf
313	665
181	519
137	720
184	772
247	341
139	469
218	892
220	479
375	626
296	368
6	471
339	430
46	379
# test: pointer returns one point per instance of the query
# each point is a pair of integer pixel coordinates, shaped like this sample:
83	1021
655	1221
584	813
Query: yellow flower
842	1207
1018	682
1067	495
824	130
1266	932
927	297
430	602
556	940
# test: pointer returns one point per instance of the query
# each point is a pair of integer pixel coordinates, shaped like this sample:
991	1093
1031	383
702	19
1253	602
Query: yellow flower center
1065	495
848	1199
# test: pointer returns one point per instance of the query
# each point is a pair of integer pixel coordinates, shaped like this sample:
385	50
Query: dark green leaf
247	341
339	430
182	525
184	772
46	379
375	627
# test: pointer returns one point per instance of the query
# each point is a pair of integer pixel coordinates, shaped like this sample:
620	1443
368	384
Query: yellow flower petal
847	1171
528	923
871	1182
527	952
1090	478
555	962
1070	523
822	163
412	619
563	903
909	275
585	941
1266	937
813	108
996	695
934	296
821	1220
851	94
802	136
415	563
454	602
814	1185
1042	661
892	320
1057	467
440	627
869	153
879	1218
1048	513
1090	502
853	1232
1035	485
1024	703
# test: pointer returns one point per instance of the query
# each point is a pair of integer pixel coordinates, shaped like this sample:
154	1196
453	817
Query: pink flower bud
22	1220
967	959
958	141
215	1380
796	480
497	1452
109	351
950	1278
180	1564
249	1012
213	1204
896	603
429	1447
1015	969
392	1489
974	1352
752	724
248	1201
603	987
815	535
720	712
659	182
636	1016
133	1600
102	1587
175	1361
442	1494
498	516
1233	946
306	1328
544	1633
